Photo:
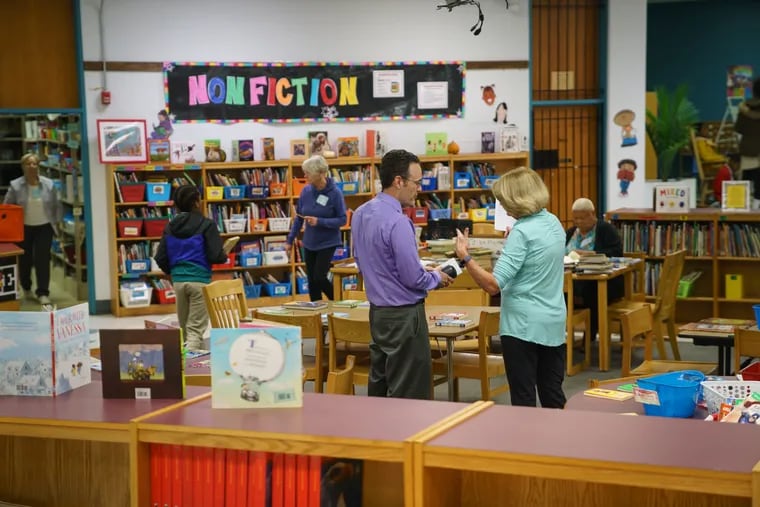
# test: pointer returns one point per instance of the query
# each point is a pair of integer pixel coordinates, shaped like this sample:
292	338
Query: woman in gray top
42	212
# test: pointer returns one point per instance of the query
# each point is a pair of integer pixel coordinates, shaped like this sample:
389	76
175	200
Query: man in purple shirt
385	249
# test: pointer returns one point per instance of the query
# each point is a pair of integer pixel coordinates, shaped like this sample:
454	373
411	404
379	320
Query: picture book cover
213	150
509	140
670	198
608	394
159	150
487	142
318	143
348	146
142	363
256	367
341	482
242	150
267	148
435	143
44	353
185	153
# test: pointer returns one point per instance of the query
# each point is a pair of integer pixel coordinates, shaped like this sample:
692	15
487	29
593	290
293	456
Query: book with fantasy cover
348	146
159	150
267	148
487	142
242	150
258	366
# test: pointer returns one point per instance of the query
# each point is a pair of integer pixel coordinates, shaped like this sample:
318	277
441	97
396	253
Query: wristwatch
467	258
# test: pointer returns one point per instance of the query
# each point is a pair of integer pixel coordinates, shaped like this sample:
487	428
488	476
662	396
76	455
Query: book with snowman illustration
44	353
256	366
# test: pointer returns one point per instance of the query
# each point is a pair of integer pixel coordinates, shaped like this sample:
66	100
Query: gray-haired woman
42	212
321	207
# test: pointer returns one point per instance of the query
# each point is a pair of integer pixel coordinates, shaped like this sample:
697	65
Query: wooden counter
377	430
9	254
71	450
514	456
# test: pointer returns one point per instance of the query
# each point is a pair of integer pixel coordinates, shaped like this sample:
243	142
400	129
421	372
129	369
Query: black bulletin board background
369	108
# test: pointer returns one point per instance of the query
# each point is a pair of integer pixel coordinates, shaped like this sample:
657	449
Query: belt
410	305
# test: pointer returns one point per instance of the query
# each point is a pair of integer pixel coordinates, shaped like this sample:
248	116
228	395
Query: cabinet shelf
501	161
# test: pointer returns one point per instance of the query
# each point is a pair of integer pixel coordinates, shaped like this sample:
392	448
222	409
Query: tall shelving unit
56	140
718	243
11	150
356	175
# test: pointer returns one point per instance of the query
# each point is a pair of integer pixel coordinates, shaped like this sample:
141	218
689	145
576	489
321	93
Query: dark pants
37	242
531	366
753	175
317	268
399	352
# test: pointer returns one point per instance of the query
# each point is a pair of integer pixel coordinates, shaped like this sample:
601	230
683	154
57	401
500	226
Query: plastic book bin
757	315
677	391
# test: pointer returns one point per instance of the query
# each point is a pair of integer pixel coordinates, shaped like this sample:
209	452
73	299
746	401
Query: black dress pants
532	367
36	245
317	268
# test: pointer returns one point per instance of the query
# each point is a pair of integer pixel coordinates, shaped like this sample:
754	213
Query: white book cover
256	366
671	198
44	353
186	153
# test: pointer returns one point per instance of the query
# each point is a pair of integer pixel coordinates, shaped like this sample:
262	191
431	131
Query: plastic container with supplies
166	296
155	226
751	372
158	192
298	185
429	184
756	308
279	224
278	189
257	192
734	286
135	295
462	180
348	187
229	264
302	285
252	291
130	227
730	392
138	265
677	393
438	214
132	192
11	223
277	289
214	193
234	192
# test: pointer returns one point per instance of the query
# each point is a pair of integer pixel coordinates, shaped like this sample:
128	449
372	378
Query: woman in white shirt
42	212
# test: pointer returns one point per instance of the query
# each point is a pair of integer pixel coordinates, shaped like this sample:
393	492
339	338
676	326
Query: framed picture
142	363
299	149
121	141
735	196
319	143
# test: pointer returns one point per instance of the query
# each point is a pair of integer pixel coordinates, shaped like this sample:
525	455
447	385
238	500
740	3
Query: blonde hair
315	165
583	204
521	192
29	156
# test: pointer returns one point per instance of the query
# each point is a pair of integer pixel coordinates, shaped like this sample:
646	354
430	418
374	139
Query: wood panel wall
566	40
38	55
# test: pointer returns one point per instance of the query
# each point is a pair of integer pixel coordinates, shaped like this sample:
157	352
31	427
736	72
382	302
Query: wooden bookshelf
711	253
205	173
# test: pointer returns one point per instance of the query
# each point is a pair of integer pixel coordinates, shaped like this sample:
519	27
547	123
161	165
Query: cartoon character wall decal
164	128
489	94
626	174
624	119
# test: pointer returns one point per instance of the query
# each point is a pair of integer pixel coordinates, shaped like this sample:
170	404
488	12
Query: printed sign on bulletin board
671	198
296	92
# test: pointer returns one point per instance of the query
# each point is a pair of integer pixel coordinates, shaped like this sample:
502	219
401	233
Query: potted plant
669	128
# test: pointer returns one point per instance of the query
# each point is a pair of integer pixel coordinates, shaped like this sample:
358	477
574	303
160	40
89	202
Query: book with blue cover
44	353
256	366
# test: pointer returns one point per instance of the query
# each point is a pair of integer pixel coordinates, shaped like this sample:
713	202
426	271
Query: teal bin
677	391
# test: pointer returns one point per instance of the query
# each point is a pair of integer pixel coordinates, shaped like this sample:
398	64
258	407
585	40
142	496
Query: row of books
740	240
362	176
134	252
258	177
185	476
146	212
477	170
659	239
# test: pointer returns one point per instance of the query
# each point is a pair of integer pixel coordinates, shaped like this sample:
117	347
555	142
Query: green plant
670	128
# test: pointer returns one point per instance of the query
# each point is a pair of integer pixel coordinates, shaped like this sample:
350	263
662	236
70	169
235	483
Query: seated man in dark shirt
590	235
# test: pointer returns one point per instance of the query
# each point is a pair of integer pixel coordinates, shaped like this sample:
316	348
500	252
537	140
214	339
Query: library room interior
264	254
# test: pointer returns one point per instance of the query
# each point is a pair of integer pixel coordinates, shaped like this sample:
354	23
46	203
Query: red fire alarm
105	97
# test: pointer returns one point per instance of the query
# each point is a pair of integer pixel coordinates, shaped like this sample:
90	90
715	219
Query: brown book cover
142	363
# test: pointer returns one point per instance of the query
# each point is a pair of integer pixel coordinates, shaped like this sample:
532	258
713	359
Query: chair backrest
225	302
488	326
348	330
310	323
355	294
672	268
636	323
342	382
457	297
746	343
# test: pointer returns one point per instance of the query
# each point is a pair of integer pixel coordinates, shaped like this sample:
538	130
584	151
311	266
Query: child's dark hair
396	163
163	113
628	161
185	198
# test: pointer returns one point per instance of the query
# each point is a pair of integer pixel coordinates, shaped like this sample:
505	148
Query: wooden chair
456	297
746	343
708	163
311	327
481	366
355	294
349	332
342	381
664	307
225	302
575	319
636	331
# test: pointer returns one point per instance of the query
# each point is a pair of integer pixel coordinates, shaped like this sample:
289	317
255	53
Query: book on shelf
348	146
258	366
608	394
185	152
267	148
242	150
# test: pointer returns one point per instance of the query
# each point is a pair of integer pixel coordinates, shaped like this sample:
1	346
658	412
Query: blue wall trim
85	159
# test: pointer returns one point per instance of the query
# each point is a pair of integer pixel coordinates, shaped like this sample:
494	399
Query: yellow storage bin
734	286
214	193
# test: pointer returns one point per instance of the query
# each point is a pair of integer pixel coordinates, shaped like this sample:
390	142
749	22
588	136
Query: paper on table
501	219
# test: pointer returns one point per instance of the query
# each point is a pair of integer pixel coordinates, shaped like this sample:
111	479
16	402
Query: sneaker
44	300
27	294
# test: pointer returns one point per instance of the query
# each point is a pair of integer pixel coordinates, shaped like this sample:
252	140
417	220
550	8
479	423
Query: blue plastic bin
757	315
438	214
158	192
302	285
462	180
252	291
234	192
257	192
677	391
277	289
429	184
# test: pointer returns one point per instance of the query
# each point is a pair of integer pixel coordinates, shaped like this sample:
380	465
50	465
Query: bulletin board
313	92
